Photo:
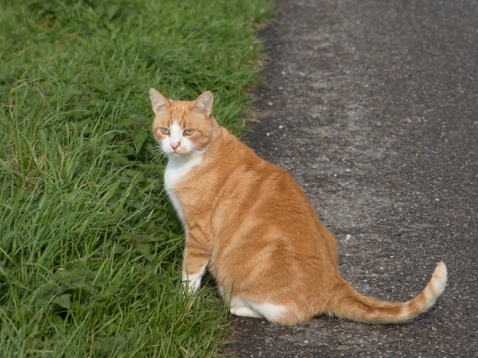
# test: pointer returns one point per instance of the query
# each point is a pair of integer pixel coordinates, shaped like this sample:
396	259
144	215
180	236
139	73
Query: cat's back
242	183
235	162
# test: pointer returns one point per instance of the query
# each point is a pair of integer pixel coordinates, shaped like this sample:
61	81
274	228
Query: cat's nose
175	145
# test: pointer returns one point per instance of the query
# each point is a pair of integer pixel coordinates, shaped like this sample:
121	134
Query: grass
90	249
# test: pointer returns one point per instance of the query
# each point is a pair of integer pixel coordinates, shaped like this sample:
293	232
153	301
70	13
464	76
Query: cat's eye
188	131
165	130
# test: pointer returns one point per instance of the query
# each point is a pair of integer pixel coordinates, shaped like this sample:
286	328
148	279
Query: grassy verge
90	249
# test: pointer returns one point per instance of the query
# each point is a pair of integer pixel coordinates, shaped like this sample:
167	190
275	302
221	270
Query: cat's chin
177	155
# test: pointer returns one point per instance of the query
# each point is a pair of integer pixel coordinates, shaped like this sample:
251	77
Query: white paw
192	286
245	312
191	283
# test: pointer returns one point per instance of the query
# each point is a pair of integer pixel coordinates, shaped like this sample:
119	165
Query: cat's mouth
176	154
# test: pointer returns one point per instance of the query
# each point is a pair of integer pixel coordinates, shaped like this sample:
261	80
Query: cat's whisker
158	153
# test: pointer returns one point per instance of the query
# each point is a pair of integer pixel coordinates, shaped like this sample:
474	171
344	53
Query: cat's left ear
204	103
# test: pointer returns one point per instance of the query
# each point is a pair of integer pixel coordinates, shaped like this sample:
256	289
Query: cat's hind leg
272	312
240	308
245	312
278	313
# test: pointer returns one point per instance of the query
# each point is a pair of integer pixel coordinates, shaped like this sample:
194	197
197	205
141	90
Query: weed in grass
89	246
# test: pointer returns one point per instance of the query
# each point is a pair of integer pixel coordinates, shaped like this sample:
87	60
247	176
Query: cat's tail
352	305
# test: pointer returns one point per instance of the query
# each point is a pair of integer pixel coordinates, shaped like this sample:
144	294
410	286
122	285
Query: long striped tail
352	305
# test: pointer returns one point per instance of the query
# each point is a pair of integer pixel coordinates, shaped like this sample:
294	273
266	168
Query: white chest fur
177	169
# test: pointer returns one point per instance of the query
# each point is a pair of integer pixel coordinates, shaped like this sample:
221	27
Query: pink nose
175	145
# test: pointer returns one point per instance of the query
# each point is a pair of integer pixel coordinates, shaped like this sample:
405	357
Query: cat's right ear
158	101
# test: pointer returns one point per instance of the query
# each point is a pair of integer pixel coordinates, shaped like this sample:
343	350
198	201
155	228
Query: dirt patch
372	107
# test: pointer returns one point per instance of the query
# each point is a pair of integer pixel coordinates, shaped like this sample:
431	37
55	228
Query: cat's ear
204	103
158	101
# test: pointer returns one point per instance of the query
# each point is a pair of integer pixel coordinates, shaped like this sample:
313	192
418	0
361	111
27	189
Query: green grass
90	249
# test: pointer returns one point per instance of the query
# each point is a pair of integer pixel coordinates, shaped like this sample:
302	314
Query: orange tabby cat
250	224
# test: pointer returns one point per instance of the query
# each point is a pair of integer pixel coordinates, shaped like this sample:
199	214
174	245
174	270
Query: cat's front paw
191	283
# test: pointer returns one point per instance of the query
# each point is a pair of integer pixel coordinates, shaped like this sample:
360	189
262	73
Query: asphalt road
373	107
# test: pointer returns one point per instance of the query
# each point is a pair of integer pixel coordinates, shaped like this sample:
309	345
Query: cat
250	224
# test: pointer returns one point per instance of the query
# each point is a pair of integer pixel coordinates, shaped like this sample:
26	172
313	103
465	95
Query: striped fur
250	224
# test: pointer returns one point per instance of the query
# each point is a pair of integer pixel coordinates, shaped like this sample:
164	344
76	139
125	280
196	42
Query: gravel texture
373	107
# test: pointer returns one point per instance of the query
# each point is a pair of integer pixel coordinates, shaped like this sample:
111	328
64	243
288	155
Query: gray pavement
373	107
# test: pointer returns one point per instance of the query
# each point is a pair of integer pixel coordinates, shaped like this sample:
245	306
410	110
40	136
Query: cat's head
182	127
